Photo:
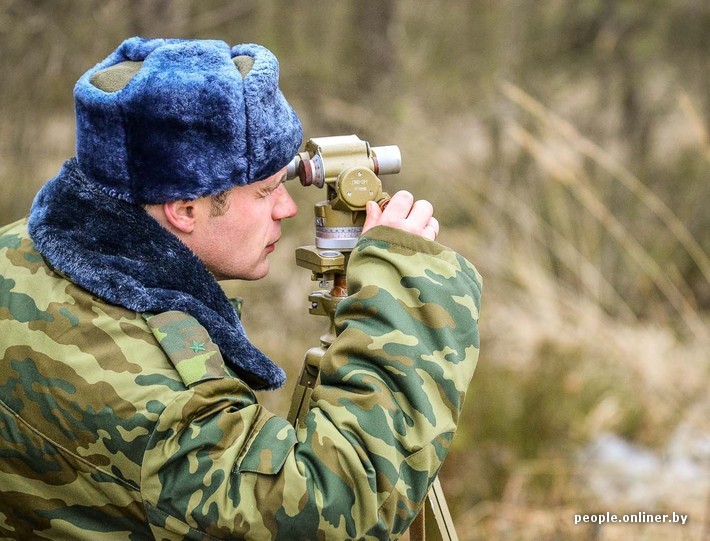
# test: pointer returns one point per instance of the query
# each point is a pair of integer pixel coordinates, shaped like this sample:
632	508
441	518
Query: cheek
240	235
243	230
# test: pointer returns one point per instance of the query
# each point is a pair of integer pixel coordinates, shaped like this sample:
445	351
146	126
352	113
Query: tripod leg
305	384
434	522
417	527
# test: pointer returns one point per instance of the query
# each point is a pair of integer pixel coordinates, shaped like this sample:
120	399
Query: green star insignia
197	346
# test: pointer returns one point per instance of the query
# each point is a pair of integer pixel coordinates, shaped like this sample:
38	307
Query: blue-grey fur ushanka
167	119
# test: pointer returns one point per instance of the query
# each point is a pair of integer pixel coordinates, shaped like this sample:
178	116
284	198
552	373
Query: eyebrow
273	186
277	182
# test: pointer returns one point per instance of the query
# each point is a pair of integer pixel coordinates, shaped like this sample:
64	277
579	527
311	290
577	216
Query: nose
285	206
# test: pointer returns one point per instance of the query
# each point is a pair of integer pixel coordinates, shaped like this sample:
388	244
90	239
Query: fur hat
168	119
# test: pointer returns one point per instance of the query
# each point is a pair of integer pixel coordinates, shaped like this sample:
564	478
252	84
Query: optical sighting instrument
348	168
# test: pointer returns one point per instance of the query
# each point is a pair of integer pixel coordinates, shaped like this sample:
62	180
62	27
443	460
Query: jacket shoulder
188	346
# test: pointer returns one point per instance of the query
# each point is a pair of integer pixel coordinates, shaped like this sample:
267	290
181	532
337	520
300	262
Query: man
126	379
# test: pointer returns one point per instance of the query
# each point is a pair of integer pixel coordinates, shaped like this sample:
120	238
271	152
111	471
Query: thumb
373	213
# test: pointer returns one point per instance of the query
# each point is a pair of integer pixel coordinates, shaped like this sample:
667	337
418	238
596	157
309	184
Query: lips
271	246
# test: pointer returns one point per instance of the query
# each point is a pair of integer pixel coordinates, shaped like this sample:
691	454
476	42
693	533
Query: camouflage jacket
117	424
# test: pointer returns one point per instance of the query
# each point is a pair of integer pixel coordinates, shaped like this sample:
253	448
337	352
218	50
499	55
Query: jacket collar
118	252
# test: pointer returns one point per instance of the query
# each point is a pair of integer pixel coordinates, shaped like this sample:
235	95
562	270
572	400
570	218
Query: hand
404	213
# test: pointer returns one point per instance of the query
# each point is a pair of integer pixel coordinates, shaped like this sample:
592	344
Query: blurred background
564	144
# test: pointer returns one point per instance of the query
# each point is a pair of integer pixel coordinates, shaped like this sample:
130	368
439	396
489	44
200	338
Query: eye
266	190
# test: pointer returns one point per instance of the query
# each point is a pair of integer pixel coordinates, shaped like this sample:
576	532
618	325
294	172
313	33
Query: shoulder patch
188	346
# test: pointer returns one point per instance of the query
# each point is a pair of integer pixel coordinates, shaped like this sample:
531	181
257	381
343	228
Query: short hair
219	203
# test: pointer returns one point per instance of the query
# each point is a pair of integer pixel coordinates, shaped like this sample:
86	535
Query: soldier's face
237	243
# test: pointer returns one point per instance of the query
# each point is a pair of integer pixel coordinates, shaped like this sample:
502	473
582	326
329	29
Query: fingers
421	213
399	206
403	212
431	229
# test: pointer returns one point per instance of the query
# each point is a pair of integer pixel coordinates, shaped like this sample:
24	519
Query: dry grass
566	357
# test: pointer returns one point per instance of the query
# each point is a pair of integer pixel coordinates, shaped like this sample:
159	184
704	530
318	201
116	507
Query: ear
180	215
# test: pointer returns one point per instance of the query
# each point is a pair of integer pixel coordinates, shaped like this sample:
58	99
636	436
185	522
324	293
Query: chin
258	271
255	274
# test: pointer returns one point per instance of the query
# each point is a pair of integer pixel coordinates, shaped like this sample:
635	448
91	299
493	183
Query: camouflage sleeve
360	462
